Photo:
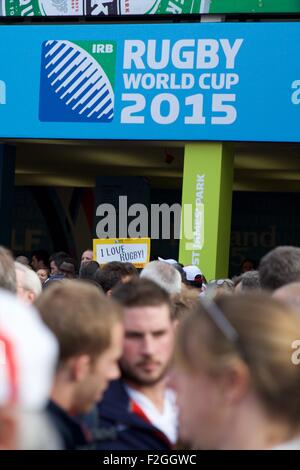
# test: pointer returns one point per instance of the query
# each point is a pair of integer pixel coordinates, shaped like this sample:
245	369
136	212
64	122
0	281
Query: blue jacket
119	424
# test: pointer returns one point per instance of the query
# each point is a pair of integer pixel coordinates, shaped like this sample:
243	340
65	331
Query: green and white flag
17	8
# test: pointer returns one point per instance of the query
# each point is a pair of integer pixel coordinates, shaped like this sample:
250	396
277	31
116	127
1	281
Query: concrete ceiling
258	166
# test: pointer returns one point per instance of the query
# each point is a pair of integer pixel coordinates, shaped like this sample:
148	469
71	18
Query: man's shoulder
69	430
115	396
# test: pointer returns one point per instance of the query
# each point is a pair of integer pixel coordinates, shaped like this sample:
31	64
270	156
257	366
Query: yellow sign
126	250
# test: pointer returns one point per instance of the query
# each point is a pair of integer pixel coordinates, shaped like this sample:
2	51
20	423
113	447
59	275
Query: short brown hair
112	273
80	316
140	293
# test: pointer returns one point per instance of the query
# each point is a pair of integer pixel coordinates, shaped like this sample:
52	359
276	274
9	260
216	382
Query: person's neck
155	393
251	428
62	393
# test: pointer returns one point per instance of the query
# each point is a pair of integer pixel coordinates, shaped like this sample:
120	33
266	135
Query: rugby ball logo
77	81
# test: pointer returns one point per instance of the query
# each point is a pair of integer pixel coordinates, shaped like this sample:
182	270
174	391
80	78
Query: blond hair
184	302
80	316
266	329
30	280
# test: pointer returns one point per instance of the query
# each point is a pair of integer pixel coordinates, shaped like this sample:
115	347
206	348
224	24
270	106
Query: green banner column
206	207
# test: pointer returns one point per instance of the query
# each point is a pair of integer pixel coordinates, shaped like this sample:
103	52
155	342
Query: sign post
207	189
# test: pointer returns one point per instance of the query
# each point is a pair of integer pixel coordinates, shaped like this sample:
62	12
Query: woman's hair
253	328
184	302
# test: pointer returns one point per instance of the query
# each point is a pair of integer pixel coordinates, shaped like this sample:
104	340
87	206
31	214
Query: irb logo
77	81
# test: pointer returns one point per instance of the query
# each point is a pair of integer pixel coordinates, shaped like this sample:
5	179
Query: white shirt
167	421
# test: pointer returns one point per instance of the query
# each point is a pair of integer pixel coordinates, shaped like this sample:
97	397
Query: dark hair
131	269
279	267
88	270
41	255
179	268
197	283
111	274
67	260
140	292
58	257
249	260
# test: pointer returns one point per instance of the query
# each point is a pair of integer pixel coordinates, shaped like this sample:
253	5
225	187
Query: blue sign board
215	81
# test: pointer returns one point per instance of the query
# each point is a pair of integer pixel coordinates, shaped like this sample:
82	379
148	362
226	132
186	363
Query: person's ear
31	296
8	430
109	293
235	382
80	367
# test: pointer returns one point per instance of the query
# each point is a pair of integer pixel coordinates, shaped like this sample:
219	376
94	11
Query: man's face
100	372
43	275
53	268
148	344
86	257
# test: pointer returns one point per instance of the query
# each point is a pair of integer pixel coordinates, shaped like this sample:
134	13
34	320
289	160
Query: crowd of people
114	358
